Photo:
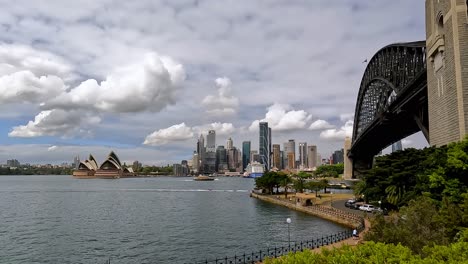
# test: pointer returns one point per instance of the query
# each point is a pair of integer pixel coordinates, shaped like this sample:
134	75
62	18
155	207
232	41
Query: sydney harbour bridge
415	86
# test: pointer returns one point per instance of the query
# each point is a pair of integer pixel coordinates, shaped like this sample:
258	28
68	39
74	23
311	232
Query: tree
284	182
299	181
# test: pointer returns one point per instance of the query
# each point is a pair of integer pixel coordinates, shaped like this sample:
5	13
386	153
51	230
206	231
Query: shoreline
325	212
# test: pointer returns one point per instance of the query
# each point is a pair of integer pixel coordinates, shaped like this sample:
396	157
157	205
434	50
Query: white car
367	207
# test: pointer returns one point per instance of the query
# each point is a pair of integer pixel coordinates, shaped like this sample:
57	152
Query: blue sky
145	78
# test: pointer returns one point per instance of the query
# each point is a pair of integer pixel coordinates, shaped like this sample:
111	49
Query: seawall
329	213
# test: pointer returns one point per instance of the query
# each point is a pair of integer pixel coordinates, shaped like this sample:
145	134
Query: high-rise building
211	141
312	156
264	144
289	147
229	144
337	156
291	160
283	159
233	161
276	156
254	156
303	155
319	160
201	153
245	154
397	146
221	159
195	162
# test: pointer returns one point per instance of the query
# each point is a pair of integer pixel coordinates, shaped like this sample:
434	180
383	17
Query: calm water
58	219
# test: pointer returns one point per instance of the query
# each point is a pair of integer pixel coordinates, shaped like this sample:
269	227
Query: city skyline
61	96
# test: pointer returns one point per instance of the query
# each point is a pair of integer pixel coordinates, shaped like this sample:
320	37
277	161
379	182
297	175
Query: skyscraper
264	144
201	153
290	147
211	141
276	156
229	144
291	160
303	155
312	156
221	159
245	154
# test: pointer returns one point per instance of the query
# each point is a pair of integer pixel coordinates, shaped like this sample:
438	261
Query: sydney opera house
111	168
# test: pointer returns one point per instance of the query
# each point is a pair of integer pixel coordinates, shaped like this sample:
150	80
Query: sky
146	78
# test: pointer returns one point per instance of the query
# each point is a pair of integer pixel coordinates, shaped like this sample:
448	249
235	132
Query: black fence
255	257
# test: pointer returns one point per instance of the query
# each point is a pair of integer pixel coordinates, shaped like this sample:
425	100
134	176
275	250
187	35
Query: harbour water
59	219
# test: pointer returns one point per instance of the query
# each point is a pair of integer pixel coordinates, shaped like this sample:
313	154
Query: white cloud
15	58
282	117
51	148
223	103
163	136
150	85
24	86
338	134
320	125
406	142
56	122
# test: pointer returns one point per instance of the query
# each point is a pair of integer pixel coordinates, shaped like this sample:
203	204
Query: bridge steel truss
392	100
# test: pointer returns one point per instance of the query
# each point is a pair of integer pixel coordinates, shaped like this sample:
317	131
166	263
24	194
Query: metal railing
254	257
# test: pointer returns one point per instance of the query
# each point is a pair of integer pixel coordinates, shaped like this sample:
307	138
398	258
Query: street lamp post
331	199
380	204
288	221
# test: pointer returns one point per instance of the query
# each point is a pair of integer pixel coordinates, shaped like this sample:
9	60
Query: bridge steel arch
391	103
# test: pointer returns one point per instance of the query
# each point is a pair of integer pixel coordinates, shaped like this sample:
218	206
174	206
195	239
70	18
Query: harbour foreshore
326	212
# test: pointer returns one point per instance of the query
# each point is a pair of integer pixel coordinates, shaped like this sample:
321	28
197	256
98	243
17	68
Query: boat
254	170
203	178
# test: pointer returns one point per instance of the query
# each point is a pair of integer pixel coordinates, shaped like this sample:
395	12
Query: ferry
254	170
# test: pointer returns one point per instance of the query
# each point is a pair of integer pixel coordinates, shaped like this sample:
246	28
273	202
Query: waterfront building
179	170
233	161
221	159
210	154
201	153
312	156
111	168
195	162
277	156
397	146
229	144
303	155
264	144
245	154
13	163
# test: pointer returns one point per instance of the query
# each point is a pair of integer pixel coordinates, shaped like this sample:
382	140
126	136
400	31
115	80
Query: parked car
367	207
350	203
355	206
381	211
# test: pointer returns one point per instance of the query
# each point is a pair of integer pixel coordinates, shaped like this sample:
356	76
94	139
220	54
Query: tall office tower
283	159
233	161
289	147
348	164
319	160
201	153
245	154
311	156
211	141
397	146
337	156
303	155
264	145
195	162
270	150
239	161
229	144
291	160
221	159
276	156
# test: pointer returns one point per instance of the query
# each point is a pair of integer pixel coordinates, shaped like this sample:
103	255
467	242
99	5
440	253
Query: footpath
325	210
